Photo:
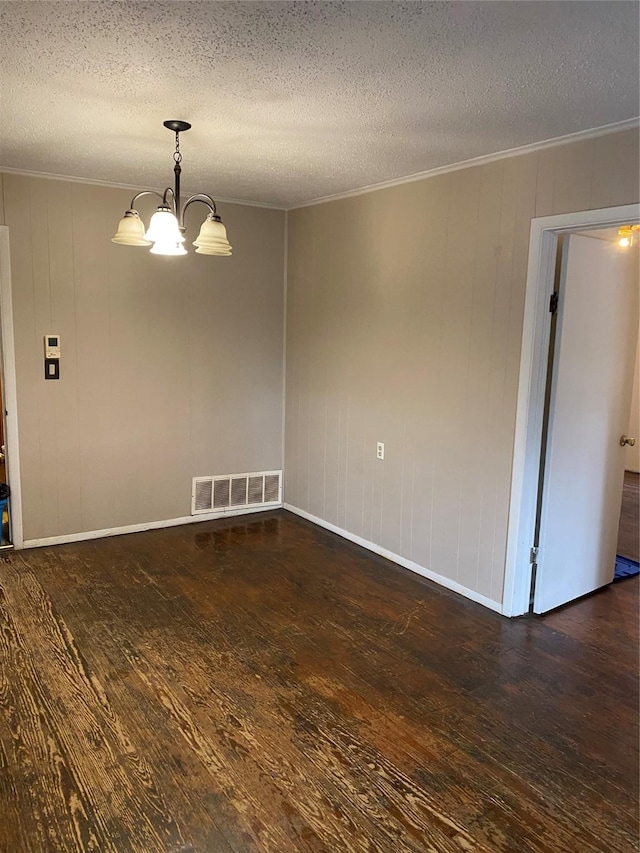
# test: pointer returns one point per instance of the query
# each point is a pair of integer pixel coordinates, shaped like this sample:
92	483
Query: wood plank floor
629	529
258	684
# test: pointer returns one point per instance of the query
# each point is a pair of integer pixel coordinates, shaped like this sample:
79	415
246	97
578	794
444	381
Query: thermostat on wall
52	346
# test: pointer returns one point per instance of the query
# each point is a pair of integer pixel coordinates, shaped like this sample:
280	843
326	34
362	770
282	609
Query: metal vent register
235	491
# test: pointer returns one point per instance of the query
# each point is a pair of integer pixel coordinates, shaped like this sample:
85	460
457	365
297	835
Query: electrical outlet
380	450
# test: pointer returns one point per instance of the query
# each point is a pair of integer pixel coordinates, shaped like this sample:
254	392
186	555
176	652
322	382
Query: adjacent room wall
170	368
632	454
404	322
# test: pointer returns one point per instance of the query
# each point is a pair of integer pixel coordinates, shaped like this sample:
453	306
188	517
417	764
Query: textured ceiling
292	101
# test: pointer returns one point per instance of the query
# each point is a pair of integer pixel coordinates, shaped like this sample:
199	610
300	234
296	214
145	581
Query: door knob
625	440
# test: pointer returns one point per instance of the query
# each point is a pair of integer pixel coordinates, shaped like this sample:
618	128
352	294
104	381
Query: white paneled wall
404	325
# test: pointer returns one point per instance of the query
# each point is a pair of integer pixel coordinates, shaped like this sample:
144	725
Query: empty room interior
320	444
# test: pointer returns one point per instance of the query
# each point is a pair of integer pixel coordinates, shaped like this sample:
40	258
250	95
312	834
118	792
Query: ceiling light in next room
166	230
625	235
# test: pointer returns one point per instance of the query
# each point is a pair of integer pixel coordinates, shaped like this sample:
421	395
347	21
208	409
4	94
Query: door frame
10	390
534	356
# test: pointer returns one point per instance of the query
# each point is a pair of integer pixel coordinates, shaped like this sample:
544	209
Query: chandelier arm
202	197
170	191
139	195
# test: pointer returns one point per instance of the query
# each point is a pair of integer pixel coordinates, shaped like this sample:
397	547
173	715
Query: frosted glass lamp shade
164	228
131	230
168	247
212	239
213	250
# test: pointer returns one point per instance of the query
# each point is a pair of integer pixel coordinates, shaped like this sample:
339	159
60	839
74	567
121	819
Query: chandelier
166	229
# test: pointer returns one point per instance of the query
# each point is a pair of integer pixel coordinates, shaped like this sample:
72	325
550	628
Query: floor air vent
235	491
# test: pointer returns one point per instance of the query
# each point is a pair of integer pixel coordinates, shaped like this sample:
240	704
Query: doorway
629	527
591	361
629	534
628	538
12	525
521	539
5	532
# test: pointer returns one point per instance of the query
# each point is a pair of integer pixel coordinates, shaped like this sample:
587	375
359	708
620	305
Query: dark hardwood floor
258	684
629	529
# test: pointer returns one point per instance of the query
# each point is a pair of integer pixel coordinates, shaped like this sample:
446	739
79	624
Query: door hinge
533	555
553	303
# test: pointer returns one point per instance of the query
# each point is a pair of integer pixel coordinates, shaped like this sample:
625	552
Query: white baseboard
139	528
401	561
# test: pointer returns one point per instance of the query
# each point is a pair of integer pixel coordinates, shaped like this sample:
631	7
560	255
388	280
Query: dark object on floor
625	568
4	498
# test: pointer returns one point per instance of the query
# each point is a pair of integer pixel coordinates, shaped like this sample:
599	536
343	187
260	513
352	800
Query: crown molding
591	133
7	170
482	160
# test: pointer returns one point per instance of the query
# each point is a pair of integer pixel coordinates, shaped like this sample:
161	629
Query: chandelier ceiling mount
177	126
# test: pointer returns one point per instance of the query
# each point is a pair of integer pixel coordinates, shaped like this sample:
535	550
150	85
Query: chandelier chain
177	156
